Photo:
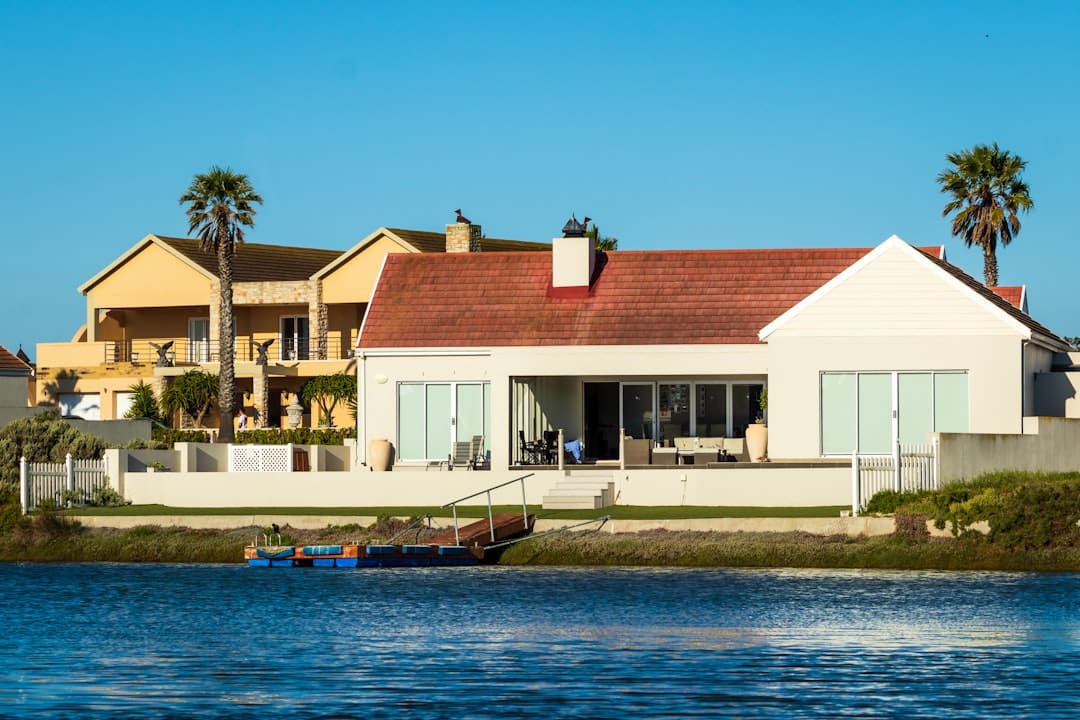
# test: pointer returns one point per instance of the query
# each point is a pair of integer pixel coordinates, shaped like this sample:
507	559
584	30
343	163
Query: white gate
72	482
910	468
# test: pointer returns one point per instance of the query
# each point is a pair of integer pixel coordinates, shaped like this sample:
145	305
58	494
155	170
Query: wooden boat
469	545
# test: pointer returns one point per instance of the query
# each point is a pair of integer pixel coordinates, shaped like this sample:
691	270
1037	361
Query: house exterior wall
1037	360
1057	394
152	277
354	280
13	390
898	294
561	368
895	313
796	364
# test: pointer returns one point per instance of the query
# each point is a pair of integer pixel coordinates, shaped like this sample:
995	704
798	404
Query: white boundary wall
761	485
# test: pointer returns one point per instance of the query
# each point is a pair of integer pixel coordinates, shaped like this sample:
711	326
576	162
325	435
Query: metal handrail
491	518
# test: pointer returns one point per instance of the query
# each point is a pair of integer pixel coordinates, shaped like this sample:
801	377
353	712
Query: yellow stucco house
152	314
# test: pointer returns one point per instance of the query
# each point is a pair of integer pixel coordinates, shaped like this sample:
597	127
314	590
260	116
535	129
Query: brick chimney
462	237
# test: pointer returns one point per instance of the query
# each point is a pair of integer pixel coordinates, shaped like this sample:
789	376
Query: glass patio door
432	416
637	410
294	337
674	404
198	349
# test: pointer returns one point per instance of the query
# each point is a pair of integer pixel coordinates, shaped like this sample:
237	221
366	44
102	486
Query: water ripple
232	642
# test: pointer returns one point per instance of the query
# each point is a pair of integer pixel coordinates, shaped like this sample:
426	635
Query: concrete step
579	492
571	503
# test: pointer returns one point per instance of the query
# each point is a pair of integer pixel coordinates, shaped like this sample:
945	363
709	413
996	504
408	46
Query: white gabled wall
899	292
896	312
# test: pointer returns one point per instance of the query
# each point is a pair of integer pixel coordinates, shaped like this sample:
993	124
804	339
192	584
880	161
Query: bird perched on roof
461	218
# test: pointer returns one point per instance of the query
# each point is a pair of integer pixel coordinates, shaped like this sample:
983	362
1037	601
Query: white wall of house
992	365
896	312
380	373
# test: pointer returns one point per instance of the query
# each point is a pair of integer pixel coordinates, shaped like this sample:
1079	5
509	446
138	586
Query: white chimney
573	260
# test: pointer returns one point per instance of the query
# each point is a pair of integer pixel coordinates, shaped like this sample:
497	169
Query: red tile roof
1013	294
638	297
11	362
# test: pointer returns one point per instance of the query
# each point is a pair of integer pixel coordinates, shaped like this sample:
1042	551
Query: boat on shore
475	543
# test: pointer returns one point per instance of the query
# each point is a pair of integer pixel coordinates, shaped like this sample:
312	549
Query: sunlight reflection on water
209	641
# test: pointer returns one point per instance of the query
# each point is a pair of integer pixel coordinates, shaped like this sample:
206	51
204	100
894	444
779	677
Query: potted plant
757	434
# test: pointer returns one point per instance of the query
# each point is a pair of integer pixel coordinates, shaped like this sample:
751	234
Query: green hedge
297	436
170	436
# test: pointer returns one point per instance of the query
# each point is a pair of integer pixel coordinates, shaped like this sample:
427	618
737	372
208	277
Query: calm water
208	641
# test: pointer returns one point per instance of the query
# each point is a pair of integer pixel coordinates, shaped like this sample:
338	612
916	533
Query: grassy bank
743	549
1033	520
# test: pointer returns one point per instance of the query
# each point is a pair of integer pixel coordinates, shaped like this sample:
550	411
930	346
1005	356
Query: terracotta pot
379	452
757	442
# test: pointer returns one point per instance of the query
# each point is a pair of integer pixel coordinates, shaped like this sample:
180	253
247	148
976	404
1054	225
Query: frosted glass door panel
950	402
875	413
839	430
915	407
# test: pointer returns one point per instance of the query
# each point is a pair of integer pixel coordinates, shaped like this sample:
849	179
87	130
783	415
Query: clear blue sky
674	125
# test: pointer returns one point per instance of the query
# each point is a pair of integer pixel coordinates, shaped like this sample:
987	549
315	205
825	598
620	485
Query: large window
869	411
432	416
665	410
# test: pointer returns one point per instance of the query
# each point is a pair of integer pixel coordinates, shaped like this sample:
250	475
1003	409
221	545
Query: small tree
144	404
194	393
327	391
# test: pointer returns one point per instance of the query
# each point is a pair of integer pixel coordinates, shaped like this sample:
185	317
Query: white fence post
24	485
856	501
289	456
69	467
935	462
897	480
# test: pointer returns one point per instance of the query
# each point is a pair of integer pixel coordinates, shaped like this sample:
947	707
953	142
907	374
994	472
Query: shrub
297	436
1024	510
170	436
144	404
911	527
42	438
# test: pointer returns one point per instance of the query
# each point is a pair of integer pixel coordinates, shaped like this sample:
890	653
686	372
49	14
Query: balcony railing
184	351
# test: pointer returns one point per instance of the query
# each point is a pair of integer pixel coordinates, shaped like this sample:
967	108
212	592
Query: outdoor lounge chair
468	453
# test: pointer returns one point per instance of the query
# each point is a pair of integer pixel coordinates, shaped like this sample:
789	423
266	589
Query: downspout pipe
361	409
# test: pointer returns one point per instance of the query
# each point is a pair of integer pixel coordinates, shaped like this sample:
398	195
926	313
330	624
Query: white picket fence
908	469
71	482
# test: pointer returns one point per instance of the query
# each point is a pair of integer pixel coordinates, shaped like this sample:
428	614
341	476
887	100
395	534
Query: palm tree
602	242
987	193
220	204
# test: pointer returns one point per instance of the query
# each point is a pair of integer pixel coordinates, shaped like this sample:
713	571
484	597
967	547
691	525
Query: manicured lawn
620	512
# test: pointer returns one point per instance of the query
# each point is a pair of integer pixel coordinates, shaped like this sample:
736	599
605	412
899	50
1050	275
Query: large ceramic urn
757	442
379	452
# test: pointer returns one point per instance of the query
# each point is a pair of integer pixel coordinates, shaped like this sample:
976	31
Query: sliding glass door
432	416
868	412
